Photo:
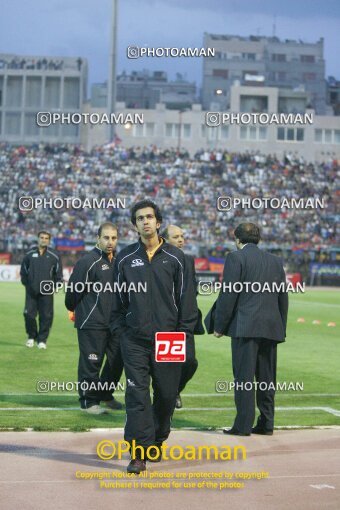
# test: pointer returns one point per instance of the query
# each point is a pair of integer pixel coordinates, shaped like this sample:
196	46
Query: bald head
175	236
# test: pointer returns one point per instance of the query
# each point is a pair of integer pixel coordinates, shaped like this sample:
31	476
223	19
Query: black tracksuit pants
147	423
189	367
43	306
93	345
254	358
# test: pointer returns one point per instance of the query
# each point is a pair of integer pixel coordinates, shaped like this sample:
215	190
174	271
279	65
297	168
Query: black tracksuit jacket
92	309
36	268
169	304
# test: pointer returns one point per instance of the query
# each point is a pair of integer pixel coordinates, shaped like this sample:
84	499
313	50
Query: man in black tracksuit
40	264
92	307
169	304
175	236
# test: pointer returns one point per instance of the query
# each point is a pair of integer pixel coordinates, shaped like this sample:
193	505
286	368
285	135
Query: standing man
256	323
92	307
40	270
175	236
169	304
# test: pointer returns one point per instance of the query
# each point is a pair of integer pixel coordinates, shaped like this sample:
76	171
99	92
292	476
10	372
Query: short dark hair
105	225
141	205
45	232
247	233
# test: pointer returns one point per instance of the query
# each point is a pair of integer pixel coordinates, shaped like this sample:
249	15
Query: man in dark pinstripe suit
256	323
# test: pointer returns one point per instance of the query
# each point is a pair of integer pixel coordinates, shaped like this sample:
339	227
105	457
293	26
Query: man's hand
218	335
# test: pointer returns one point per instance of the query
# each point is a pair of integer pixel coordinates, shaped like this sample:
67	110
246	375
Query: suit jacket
252	314
190	264
209	320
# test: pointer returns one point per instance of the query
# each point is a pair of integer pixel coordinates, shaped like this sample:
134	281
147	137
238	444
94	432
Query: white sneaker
96	410
30	342
42	345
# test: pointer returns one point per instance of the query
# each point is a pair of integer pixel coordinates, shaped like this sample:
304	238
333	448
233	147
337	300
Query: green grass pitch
310	356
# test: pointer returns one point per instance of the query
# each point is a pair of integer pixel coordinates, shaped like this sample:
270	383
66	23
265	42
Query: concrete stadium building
31	84
316	141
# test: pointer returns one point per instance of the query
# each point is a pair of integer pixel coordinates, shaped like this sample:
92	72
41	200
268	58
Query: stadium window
224	132
212	134
175	130
14	91
52	93
328	136
262	133
12	124
33	91
203	131
69	130
278	57
0	123
52	130
139	130
318	135
280	133
336	136
308	76
307	59
252	133
220	73
150	129
31	128
168	129
290	134
186	130
243	132
71	93
300	134
249	56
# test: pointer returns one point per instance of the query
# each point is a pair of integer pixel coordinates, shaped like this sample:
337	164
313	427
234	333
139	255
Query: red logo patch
170	347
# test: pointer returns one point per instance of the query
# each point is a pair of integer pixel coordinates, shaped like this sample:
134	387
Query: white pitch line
328	410
40	409
202	430
317	303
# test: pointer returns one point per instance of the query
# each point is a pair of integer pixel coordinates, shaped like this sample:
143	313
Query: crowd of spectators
44	64
186	188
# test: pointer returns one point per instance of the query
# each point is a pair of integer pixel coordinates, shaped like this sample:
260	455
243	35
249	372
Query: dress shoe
179	404
234	432
136	466
157	448
113	404
261	431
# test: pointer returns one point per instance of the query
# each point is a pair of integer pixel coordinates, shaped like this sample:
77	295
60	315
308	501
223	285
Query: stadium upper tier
186	190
